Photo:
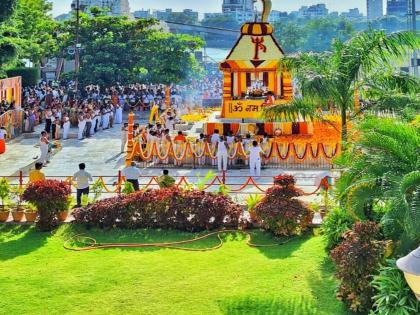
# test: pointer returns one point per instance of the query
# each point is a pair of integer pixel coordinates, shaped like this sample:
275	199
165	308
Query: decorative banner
246	109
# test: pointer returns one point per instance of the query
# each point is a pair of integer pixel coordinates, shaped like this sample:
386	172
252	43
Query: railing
236	185
13	121
276	155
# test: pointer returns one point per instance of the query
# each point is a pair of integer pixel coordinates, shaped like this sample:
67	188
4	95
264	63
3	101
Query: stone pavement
101	153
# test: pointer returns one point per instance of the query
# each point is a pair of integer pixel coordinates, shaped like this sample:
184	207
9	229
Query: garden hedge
169	208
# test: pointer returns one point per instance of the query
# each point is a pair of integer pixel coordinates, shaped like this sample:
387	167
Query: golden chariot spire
267	5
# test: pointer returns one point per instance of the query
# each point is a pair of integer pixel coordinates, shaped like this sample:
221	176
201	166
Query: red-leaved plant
357	259
280	212
49	197
169	208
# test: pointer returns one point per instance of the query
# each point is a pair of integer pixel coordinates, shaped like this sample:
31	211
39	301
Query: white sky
202	6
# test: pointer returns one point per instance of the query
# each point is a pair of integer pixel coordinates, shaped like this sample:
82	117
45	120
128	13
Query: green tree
396	92
7	48
6	9
320	33
168	58
116	49
222	21
315	35
333	77
34	29
291	35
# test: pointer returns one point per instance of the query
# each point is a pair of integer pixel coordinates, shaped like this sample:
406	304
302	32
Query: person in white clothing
118	115
82	179
132	174
214	140
124	137
82	125
66	127
222	148
44	146
255	153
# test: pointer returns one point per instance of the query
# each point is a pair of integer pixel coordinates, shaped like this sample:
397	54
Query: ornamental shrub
356	259
280	212
50	197
169	208
335	224
392	293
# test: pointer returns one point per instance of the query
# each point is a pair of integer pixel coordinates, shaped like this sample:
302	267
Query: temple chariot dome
253	70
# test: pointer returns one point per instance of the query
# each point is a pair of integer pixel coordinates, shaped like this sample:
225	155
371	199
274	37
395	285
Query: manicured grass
38	276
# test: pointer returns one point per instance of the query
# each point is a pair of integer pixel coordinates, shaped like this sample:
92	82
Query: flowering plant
49	197
357	259
171	208
279	212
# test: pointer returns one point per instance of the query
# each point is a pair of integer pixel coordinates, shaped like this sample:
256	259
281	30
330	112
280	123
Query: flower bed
165	208
280	212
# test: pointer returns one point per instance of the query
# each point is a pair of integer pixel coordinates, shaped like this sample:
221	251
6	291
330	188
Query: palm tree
397	92
383	168
333	77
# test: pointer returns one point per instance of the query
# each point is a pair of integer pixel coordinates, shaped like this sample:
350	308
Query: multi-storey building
375	9
313	11
115	7
241	10
397	8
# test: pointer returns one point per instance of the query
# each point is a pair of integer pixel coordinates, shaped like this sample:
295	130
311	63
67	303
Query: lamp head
410	265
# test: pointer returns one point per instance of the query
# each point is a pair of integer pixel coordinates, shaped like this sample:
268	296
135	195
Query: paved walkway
101	153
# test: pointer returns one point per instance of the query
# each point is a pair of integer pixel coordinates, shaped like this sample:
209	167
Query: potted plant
31	213
50	198
251	202
18	211
64	214
4	197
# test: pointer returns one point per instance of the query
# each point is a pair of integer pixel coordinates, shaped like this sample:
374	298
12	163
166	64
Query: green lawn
38	276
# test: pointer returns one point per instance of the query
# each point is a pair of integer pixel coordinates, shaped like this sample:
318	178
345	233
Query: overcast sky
63	6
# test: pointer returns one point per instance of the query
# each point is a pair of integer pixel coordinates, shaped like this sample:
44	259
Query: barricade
235	185
277	155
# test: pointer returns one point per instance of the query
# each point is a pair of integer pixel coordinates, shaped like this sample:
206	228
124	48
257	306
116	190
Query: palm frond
297	110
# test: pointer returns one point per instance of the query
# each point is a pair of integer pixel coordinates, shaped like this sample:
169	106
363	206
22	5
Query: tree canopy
27	32
331	78
116	49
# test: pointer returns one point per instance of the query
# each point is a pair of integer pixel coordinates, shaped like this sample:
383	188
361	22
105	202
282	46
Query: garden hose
90	243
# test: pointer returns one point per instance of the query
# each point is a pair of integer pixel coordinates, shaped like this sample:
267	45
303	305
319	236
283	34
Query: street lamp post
410	265
76	6
413	26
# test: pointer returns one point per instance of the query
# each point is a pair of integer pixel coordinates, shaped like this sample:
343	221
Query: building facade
115	7
375	9
313	11
170	15
237	5
240	10
397	8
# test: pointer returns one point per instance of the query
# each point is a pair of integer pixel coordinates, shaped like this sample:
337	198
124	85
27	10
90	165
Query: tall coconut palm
383	167
333	77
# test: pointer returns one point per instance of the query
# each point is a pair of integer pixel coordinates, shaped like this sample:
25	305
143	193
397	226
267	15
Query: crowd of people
162	135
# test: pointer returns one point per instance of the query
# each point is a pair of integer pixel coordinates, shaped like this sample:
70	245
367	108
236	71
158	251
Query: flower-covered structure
253	73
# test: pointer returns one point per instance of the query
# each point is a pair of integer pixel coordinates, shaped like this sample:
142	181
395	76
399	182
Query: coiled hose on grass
90	243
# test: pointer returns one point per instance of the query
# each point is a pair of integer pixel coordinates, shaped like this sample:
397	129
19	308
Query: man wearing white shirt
82	179
132	174
255	159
